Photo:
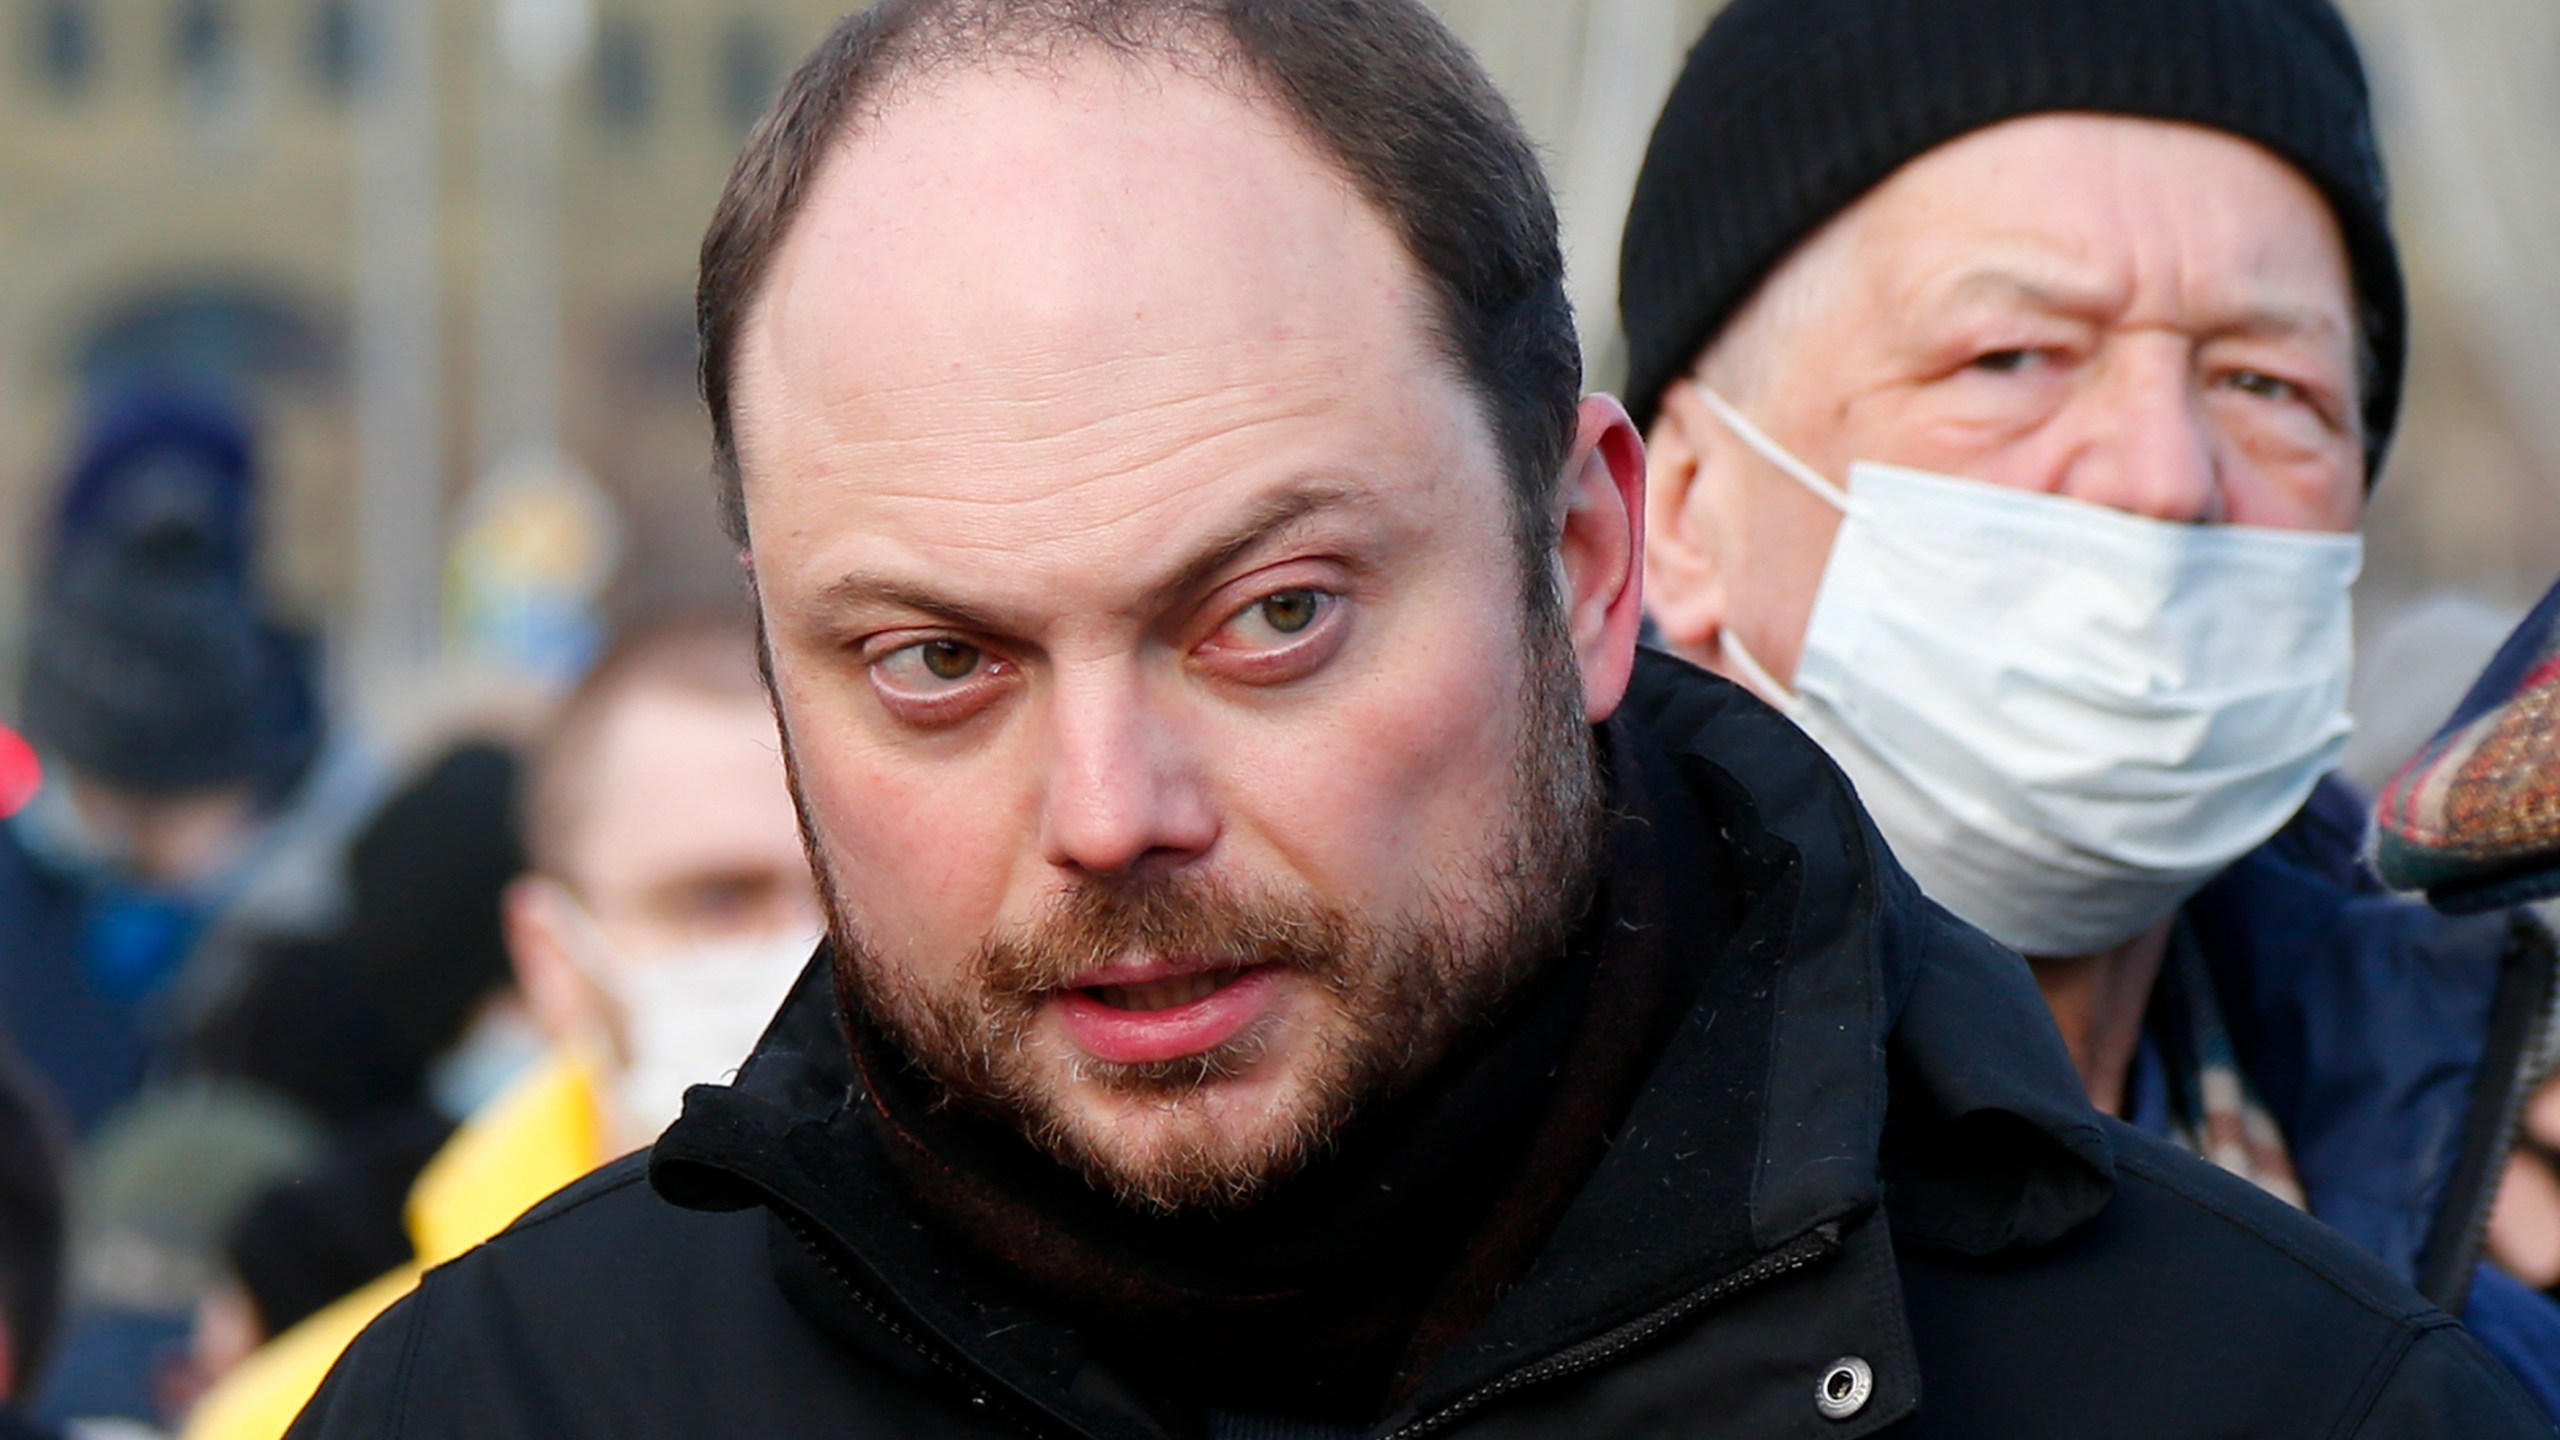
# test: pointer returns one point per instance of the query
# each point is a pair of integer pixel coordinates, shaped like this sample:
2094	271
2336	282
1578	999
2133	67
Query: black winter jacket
1861	1193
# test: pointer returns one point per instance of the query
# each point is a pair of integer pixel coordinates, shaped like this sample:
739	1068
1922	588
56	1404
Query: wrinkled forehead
2111	203
1021	271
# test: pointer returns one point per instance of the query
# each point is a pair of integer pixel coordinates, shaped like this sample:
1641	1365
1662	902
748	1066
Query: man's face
1147	625
681	836
2147	316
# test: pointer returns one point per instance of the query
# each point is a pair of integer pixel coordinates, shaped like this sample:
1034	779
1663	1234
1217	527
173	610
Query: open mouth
1141	1014
1153	995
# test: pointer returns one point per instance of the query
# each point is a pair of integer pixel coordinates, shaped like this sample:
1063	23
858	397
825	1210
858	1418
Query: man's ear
1602	551
1684	581
562	1000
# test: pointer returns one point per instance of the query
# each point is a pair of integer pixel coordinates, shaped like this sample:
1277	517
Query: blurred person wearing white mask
668	911
2011	432
670	905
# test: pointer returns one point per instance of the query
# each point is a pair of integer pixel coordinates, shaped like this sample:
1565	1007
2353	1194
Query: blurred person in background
262	1174
409	1002
33	1236
668	909
2011	429
188	797
385	1032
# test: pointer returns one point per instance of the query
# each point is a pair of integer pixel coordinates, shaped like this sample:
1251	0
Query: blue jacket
90	1037
2393	1045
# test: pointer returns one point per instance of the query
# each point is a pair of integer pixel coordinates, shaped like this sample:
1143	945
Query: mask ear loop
1771	451
591	954
1755	674
588	950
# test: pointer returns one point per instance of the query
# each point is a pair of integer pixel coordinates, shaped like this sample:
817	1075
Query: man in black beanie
2014	373
179	732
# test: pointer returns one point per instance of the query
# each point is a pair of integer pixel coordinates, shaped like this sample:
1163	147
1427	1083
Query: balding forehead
1000	232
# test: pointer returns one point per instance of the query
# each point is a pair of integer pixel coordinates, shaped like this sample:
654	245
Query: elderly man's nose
1123	793
2149	446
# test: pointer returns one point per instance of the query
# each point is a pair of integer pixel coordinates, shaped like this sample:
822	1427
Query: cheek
2330	491
1399	780
1776	569
919	850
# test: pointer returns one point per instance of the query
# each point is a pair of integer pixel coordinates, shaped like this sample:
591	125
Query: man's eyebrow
2043	291
2270	319
860	588
1272	515
2291	322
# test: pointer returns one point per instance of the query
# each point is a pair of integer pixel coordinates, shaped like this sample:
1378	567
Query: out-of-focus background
402	290
444	253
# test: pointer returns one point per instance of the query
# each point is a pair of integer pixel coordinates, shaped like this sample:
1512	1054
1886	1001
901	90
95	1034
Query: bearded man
1294	971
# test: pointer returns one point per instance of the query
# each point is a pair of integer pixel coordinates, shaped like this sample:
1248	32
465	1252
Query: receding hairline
933	43
1385	94
1192	46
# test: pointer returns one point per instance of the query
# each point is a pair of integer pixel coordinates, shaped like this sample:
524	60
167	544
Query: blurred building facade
183	197
186	183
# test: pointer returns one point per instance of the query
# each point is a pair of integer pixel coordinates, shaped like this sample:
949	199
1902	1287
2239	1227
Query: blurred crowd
284	1017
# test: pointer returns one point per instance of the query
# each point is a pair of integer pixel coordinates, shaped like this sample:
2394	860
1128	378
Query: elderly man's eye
2005	362
2264	386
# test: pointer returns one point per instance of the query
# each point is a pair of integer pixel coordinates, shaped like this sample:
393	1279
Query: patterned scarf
2214	1112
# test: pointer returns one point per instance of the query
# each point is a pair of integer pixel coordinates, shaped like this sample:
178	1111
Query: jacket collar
1767	1124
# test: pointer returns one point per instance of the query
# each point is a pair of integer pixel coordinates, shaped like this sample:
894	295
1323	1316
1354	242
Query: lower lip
1148	1037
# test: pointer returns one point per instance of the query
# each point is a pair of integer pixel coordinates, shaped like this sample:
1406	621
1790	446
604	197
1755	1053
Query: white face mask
689	1015
2064	718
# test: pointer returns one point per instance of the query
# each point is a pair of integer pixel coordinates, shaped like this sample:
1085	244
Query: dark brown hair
1383	90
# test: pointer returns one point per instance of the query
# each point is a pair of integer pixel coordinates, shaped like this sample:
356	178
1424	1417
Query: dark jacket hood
1852	1046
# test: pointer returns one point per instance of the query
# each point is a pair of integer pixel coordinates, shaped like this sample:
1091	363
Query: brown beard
1401	991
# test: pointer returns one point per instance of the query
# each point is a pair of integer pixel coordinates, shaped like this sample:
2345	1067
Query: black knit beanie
148	667
1789	110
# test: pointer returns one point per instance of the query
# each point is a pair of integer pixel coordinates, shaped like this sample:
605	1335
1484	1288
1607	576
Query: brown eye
939	682
1291	611
948	659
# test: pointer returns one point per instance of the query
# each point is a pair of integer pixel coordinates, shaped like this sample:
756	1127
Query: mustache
1193	917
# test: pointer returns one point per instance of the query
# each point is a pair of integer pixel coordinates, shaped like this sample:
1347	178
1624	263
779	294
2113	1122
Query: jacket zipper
2448	1281
1814	1246
966	1375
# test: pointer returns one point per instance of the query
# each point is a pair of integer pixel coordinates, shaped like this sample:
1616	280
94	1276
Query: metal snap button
1845	1388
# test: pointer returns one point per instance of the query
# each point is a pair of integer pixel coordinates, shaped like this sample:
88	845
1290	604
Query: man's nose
2147	444
1124	792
